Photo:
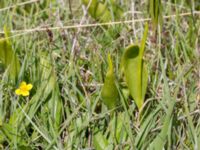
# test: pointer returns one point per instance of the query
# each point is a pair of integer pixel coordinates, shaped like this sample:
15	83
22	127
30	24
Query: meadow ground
61	48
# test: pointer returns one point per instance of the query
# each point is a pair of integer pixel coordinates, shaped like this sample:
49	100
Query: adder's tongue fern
135	70
110	96
8	57
103	11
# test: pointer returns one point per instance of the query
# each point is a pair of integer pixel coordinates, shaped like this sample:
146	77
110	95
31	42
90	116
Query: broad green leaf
91	5
132	69
8	57
135	70
109	94
101	10
144	79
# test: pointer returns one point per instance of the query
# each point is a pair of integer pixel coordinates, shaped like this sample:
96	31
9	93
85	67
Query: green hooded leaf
135	70
109	94
8	57
101	10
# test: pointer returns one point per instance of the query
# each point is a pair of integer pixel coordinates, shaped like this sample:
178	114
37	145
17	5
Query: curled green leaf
101	10
135	70
109	94
8	57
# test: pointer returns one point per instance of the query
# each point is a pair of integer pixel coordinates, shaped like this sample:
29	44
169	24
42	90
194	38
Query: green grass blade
100	142
160	140
145	128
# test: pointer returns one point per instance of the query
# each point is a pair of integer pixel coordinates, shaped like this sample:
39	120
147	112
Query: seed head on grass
23	89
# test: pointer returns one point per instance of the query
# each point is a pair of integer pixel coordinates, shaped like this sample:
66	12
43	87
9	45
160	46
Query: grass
67	68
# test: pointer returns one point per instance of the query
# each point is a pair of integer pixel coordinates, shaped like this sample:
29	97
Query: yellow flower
23	89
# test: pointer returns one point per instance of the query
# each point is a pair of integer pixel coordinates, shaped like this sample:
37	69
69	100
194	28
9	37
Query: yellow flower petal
29	86
18	92
25	93
23	83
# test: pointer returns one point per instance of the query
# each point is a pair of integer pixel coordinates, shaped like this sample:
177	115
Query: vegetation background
61	48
